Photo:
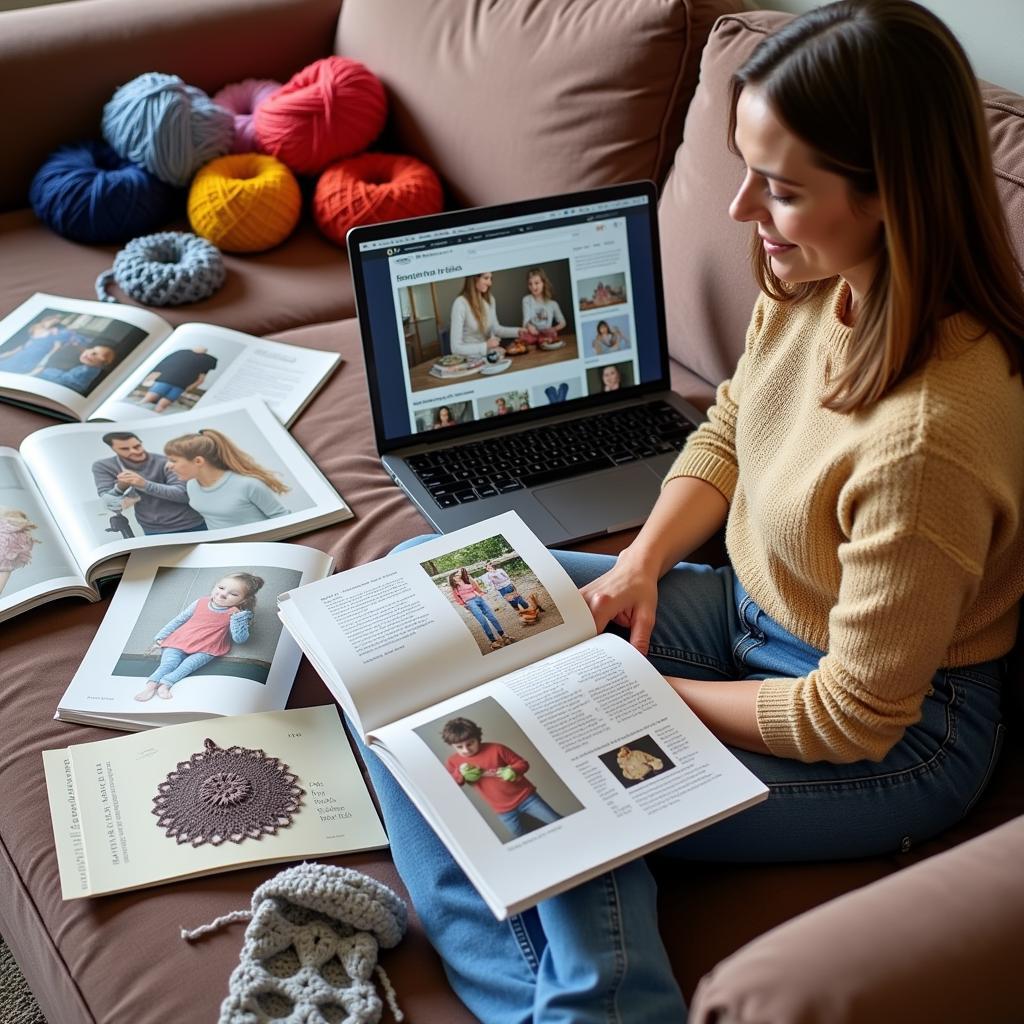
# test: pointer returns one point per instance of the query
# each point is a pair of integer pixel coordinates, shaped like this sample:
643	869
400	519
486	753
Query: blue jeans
518	601
593	954
532	807
175	665
481	611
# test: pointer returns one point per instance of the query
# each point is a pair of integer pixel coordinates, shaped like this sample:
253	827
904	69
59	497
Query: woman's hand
628	596
532	329
493	342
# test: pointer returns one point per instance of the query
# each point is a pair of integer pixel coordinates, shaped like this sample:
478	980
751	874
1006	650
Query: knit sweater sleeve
239	624
710	454
921	529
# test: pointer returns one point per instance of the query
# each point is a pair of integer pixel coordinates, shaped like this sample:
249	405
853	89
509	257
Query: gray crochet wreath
226	795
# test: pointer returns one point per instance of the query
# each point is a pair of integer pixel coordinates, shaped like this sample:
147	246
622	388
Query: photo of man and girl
608	290
514	318
499	770
496	595
609	377
203	622
73	350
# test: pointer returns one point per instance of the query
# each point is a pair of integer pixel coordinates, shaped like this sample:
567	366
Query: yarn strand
192	934
389	994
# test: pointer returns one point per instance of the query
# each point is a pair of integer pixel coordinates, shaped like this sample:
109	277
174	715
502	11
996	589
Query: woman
468	594
474	323
865	461
611	378
225	485
443	418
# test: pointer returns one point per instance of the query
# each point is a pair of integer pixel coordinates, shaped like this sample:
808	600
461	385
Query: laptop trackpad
602	502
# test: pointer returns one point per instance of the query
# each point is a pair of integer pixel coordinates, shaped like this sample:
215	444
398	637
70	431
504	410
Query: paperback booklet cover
203	797
76	499
84	360
193	632
540	752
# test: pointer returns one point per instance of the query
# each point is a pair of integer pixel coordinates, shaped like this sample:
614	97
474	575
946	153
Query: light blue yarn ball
168	127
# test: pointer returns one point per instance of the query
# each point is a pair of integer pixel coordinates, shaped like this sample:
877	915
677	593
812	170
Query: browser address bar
503	245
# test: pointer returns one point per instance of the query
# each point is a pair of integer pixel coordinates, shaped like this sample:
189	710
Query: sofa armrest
64	61
938	941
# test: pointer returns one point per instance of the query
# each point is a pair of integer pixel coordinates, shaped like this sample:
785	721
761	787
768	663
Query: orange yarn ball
371	188
245	202
331	109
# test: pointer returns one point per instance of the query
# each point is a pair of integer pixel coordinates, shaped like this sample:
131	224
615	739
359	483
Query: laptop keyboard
545	454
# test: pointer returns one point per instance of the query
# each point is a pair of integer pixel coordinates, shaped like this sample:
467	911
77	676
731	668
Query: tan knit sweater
890	538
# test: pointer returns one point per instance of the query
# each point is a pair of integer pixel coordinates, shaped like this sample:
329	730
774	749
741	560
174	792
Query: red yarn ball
371	188
333	108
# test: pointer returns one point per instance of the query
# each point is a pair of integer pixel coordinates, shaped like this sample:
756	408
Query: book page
174	600
66	355
35	561
229	792
410	629
618	762
116	489
200	364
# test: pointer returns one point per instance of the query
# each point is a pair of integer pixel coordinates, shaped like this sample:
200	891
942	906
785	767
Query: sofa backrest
709	289
519	98
59	64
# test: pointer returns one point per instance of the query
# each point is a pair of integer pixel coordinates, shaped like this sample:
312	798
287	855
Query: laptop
557	404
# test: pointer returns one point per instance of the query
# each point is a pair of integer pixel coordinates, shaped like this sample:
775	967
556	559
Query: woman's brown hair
478	302
222	453
885	96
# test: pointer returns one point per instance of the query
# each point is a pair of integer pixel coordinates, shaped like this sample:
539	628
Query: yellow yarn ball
245	202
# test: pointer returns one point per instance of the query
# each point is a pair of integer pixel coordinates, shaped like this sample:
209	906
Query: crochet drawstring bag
311	948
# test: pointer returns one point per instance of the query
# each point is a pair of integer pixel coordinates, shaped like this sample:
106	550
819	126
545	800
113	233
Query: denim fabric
593	954
481	611
175	665
517	601
532	807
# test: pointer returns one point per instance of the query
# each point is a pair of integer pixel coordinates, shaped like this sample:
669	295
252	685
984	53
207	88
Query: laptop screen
516	311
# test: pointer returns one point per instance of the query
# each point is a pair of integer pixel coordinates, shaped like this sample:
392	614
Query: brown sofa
505	101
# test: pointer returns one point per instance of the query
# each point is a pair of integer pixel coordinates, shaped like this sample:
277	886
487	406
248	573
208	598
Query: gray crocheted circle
226	795
166	269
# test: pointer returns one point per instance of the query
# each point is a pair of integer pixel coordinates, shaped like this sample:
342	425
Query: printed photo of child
637	761
493	762
16	542
74	350
496	595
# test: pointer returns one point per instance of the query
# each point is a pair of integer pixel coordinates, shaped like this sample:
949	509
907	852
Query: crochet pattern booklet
204	797
77	499
193	632
84	360
541	753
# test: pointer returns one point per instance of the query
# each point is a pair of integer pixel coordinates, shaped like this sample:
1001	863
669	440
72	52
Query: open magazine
192	632
542	754
85	360
78	498
203	797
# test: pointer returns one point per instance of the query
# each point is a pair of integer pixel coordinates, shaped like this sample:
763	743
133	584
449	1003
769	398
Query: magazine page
66	355
561	770
405	631
226	473
192	632
204	797
36	563
200	364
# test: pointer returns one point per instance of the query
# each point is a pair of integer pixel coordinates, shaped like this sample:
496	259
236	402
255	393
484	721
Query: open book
192	632
78	498
541	754
85	360
203	797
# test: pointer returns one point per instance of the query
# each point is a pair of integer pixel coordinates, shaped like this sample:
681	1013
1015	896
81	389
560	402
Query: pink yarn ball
241	99
331	109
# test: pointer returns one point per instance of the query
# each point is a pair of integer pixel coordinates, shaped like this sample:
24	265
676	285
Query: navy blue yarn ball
87	193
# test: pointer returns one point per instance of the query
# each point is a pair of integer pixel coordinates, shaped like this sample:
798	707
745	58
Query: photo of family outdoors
74	350
205	621
495	593
491	759
518	318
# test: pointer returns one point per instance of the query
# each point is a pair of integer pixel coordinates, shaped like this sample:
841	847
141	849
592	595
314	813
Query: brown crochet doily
226	794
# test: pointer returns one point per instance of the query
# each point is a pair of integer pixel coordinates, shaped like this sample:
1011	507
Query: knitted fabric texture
167	269
231	794
311	948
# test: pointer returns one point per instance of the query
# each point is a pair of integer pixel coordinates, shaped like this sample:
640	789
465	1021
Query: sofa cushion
305	280
597	103
708	307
